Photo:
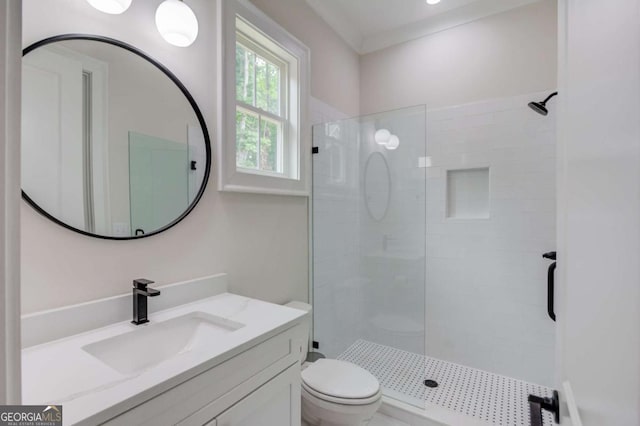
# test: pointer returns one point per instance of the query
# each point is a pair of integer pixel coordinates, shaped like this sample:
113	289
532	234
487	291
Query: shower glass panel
369	220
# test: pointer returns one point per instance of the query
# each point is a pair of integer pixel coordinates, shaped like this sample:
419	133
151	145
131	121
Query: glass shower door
369	179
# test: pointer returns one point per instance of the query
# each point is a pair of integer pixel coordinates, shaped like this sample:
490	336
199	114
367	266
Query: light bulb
432	2
382	136
177	23
113	7
393	143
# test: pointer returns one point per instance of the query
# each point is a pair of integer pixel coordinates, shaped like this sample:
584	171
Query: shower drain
431	383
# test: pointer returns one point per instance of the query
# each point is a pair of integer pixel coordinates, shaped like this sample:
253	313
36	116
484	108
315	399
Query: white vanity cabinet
257	387
276	403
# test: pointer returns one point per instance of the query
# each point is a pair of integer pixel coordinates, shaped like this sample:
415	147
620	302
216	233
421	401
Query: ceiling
369	25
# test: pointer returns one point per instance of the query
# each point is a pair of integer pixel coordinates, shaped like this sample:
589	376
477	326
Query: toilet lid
340	379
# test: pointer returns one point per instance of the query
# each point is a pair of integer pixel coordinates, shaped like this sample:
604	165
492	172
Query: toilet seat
340	401
340	382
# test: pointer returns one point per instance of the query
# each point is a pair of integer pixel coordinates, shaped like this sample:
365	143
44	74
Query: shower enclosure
428	234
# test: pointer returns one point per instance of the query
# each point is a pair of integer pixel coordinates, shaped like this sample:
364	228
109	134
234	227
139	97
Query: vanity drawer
217	388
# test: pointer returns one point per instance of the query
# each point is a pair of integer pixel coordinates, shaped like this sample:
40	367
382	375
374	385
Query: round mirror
377	186
113	144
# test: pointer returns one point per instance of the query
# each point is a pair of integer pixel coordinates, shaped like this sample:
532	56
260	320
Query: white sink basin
152	344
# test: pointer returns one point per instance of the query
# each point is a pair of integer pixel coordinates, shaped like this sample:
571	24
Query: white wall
599	232
10	73
503	55
260	240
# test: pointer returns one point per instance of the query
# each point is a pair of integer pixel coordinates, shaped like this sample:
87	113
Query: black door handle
139	232
551	284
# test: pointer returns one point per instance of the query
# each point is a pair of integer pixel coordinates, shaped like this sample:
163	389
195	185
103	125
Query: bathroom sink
149	345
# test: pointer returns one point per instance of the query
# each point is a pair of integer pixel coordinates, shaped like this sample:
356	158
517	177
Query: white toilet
336	393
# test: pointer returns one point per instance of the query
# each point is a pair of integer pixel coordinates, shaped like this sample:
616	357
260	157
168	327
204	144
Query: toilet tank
305	330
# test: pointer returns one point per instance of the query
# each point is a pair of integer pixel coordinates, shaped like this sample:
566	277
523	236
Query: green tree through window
259	114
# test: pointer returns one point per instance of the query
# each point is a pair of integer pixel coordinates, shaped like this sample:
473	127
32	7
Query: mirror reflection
377	186
111	145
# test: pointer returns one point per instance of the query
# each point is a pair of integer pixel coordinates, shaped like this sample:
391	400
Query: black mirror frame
185	92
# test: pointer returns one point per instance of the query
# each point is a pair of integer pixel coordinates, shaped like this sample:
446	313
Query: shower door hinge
315	345
315	150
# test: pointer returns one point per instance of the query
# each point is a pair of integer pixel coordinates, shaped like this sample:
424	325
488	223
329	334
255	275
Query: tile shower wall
486	279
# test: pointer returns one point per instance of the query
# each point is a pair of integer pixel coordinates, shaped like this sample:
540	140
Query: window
263	144
261	108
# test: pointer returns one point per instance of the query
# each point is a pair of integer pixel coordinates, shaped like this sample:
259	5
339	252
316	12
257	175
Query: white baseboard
431	415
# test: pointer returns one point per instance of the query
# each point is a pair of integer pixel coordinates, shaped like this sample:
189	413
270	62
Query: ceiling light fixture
432	2
177	23
112	7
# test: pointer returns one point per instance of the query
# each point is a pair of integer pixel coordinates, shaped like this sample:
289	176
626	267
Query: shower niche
468	193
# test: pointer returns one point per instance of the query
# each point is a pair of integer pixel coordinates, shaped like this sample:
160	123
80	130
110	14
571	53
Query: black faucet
140	293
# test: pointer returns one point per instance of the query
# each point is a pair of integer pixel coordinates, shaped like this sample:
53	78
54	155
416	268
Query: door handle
551	284
139	232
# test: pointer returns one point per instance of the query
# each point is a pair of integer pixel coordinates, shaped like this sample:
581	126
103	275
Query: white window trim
230	177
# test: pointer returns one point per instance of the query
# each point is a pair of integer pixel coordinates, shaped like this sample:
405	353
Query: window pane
273	75
245	69
268	86
261	83
246	140
270	146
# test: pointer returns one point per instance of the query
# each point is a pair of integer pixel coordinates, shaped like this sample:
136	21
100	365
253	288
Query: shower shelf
468	193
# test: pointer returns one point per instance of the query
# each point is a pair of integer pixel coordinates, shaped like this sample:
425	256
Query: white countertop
61	372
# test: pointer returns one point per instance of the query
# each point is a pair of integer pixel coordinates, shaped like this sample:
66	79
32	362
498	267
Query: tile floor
490	397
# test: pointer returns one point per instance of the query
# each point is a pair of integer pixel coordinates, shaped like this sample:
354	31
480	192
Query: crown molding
444	21
340	24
